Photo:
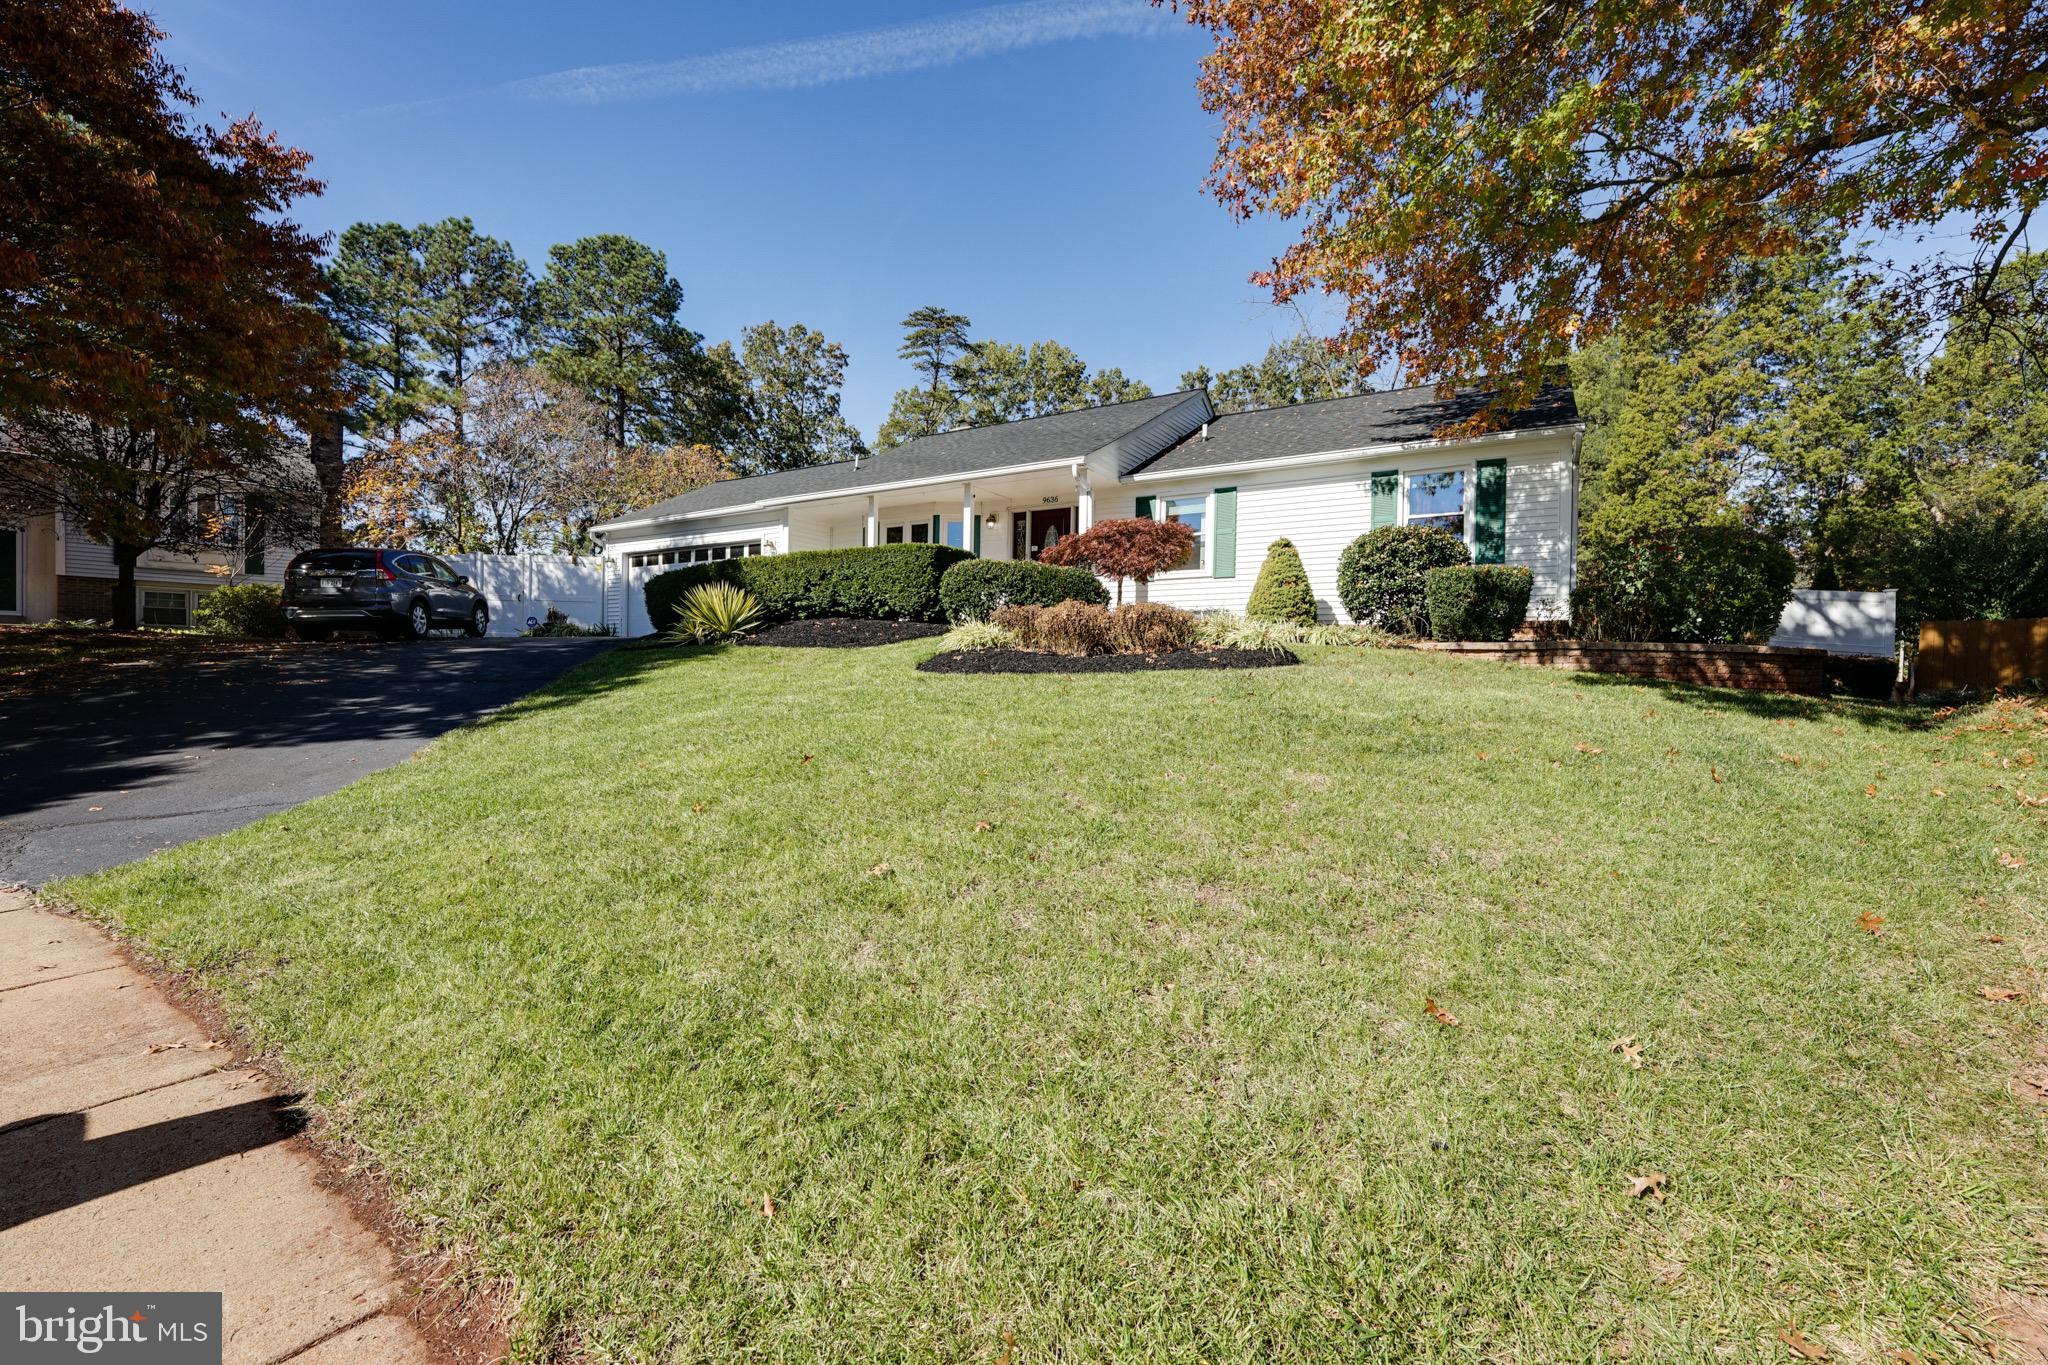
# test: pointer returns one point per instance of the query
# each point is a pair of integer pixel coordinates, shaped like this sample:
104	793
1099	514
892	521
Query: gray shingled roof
1369	419
970	450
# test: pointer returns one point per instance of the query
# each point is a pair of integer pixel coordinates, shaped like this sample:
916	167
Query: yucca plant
716	611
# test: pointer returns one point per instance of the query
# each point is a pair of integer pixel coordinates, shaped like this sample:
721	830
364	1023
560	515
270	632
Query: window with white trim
1437	498
1192	513
692	554
166	608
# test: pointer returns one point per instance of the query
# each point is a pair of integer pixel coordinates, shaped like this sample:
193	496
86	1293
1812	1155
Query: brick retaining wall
1758	668
85	599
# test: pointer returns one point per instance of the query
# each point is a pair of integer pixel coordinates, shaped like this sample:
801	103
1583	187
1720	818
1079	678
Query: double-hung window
166	608
1192	513
1438	499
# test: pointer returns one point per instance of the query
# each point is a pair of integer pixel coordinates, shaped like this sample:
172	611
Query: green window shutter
1145	506
1386	498
938	530
1223	538
977	535
1490	513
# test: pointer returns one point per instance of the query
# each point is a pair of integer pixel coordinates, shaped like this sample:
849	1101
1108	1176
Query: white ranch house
1320	474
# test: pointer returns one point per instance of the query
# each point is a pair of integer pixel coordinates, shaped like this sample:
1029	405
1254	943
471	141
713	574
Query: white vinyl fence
523	587
1841	622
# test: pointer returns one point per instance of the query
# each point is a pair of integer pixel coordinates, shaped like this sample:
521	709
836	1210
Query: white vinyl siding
1325	510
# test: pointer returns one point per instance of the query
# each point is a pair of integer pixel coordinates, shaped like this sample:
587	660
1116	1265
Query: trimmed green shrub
1477	601
715	612
248	609
876	583
979	587
1282	592
1712	584
1150	628
1379	575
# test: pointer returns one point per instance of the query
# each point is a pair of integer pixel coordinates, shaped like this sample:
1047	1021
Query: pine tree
1282	592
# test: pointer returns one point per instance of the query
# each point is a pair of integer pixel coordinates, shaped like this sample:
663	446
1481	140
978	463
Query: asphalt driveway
130	760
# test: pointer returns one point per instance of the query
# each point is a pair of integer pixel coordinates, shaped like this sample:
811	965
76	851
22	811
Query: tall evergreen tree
374	296
792	377
932	340
605	314
473	293
999	382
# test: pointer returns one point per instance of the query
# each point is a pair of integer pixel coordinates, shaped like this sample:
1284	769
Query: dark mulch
1032	661
842	632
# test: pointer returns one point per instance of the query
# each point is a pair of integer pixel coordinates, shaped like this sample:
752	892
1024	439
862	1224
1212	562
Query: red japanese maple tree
1136	548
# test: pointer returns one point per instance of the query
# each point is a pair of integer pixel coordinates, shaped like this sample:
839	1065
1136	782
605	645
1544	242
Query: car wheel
479	622
312	633
419	622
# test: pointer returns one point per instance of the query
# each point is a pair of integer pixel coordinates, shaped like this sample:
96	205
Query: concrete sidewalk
136	1155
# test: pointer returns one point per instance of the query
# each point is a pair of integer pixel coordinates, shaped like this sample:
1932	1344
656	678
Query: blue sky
1037	167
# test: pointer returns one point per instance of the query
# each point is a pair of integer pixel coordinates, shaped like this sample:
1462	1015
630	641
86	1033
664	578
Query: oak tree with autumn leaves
158	329
1483	183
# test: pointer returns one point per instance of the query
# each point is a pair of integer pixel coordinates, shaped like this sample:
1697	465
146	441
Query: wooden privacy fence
1987	654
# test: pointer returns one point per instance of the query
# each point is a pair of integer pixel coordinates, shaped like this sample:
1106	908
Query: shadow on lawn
1895	717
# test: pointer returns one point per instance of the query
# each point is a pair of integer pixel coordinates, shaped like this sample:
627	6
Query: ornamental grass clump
715	612
1075	628
1150	628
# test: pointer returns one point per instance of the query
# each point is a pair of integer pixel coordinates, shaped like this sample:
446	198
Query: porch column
967	517
873	534
1084	498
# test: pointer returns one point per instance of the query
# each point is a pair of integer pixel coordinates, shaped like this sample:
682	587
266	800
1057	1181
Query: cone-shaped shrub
1282	592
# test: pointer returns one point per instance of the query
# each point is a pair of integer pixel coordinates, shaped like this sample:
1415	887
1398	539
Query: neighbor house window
10	572
166	608
921	533
1438	500
893	536
1192	513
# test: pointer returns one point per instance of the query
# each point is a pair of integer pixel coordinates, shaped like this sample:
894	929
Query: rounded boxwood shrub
1477	601
1379	575
974	590
1282	592
876	583
248	609
1712	584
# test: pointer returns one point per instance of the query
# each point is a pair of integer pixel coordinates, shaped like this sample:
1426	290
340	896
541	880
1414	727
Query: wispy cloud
836	57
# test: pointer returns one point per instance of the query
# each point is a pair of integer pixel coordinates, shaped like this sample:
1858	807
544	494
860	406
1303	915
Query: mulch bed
842	632
1032	661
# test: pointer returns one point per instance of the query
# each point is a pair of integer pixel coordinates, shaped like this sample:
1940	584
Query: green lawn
1091	1010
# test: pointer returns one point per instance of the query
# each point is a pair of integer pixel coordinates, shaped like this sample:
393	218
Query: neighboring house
1320	474
51	570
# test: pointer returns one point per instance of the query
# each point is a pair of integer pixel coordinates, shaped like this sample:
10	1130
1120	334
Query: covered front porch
1012	515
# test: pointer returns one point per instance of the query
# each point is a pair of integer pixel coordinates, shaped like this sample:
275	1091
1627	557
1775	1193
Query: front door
1048	526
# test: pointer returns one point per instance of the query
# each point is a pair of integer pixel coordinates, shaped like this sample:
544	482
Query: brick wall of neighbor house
1755	668
84	599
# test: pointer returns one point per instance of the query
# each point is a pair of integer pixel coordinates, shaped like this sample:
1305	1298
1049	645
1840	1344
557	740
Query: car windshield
339	561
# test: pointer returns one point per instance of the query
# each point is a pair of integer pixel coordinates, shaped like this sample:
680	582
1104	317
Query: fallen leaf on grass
1009	1351
698	808
982	826
2001	994
880	870
1936	791
1439	1013
1651	1185
1589	748
1870	789
805	759
1797	1342
1906	1357
1630	1050
1870	922
1991	938
1481	755
2026	800
767	1206
2012	860
1716	772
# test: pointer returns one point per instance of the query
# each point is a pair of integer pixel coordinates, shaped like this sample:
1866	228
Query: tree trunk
124	586
332	474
